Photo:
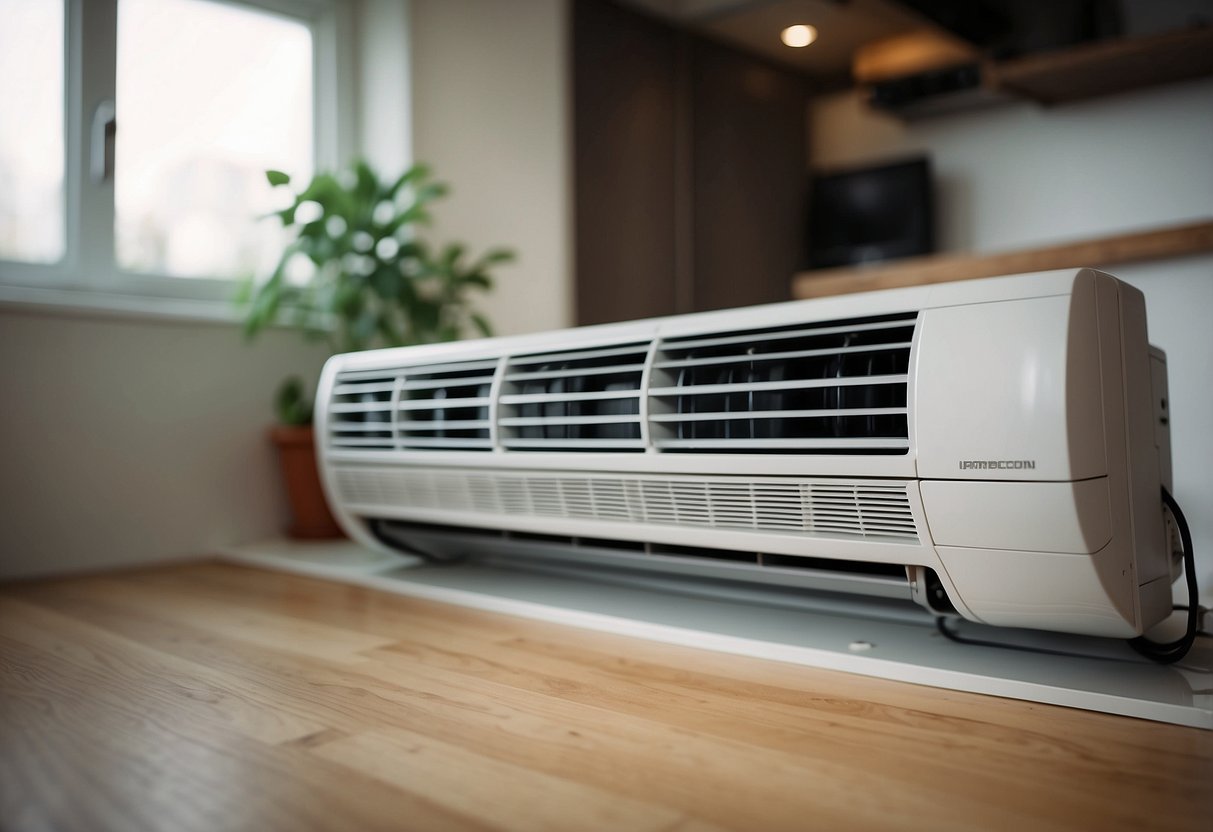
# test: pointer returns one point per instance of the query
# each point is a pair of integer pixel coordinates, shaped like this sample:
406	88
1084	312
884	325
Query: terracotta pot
310	515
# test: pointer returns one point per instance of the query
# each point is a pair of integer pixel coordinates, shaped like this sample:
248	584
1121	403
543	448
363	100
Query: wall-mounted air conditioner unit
991	448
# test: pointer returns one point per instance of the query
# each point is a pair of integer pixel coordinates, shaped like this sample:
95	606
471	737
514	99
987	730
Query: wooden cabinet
624	126
689	170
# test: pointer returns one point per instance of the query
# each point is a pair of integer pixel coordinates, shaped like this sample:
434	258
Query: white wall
1023	175
490	113
1020	176
129	441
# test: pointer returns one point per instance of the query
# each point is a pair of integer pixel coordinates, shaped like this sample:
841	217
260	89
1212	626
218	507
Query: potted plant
356	275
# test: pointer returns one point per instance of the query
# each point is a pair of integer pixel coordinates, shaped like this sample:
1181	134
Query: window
132	159
208	97
31	131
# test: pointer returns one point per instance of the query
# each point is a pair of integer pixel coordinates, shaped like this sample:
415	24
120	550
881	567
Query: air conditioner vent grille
438	406
580	400
446	406
837	387
360	411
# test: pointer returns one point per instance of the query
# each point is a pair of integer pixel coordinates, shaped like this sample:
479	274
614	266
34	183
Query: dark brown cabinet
689	170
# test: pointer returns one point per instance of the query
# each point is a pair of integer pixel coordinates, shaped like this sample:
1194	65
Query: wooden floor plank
501	794
208	696
77	757
163	684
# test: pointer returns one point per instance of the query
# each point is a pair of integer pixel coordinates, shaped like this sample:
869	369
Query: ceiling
754	25
998	28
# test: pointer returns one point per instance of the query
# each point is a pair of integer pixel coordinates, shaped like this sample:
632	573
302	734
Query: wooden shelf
1075	73
1109	67
1157	244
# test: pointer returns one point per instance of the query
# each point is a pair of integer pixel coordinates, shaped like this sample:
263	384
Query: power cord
1169	652
1161	652
952	635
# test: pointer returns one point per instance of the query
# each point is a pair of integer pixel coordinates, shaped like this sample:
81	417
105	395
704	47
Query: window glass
209	95
31	130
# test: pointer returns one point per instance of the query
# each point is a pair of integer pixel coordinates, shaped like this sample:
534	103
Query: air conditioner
992	449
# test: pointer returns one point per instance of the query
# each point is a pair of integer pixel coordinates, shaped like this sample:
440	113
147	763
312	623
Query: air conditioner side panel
1144	461
1135	480
1045	590
1069	517
1011	390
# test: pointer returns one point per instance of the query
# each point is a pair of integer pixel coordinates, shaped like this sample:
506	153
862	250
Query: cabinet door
624	70
689	170
749	182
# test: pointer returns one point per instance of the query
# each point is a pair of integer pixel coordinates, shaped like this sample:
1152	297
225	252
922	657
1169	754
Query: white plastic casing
1037	450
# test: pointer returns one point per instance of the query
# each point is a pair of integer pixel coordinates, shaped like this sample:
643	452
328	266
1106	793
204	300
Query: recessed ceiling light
798	35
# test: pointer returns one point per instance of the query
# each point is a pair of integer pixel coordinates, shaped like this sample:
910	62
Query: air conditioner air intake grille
819	508
579	400
837	387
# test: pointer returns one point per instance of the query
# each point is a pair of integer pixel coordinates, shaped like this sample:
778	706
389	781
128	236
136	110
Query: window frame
90	78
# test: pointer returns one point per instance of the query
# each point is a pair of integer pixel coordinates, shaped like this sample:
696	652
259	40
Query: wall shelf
1059	76
1107	67
1155	244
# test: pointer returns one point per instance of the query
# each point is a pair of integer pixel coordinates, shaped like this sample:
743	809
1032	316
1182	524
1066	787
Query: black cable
1169	652
1161	652
1200	611
952	635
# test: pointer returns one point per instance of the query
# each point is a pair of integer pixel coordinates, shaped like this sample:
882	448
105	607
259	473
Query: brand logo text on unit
996	464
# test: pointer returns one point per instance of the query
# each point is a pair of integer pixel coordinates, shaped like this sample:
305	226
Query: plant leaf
477	279
482	324
277	177
417	173
292	403
494	257
386	281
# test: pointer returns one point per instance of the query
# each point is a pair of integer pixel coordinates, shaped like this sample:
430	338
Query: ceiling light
798	35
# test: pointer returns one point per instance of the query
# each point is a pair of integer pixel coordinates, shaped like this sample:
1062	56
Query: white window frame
87	276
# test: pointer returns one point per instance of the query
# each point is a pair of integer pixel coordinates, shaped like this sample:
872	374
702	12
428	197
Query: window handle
105	130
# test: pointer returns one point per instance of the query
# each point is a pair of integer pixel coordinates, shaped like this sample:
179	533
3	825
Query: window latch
105	130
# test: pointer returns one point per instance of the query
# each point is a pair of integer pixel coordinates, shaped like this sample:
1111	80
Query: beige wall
128	441
132	439
1022	175
490	113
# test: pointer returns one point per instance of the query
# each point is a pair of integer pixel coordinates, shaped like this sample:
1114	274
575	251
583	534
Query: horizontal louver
586	400
837	387
360	411
815	508
446	407
432	407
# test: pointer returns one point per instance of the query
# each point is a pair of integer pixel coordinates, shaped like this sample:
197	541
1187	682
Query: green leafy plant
356	275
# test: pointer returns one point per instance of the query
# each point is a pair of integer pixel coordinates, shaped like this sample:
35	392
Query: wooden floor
215	697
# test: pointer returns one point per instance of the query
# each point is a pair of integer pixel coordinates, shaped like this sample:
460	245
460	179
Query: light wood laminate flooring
213	697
